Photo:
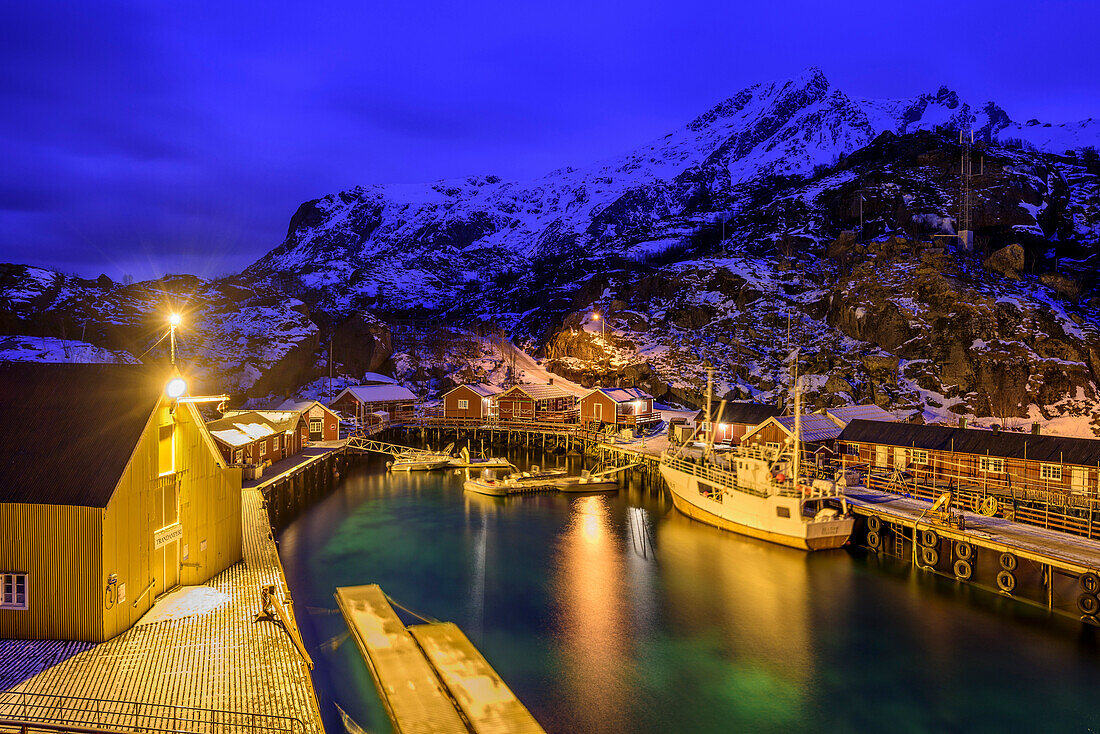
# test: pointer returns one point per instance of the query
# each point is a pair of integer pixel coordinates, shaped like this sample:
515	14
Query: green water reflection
597	632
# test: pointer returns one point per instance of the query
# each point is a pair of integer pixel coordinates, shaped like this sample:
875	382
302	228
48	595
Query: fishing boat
421	459
465	461
514	483
759	492
588	482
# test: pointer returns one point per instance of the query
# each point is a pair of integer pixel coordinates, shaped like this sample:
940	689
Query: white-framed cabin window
920	456
991	465
278	442
1050	472
463	404
772	446
13	591
238	456
316	425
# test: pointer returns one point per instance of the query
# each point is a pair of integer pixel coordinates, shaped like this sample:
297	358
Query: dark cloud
148	137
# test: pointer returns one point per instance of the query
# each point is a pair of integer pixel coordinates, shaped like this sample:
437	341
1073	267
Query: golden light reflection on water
593	625
758	591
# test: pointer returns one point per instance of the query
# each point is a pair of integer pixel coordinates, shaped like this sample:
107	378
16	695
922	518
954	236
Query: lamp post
603	336
173	322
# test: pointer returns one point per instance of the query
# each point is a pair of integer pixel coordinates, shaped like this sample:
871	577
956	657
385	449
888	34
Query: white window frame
11	600
238	456
920	456
463	404
1050	472
320	425
991	465
771	446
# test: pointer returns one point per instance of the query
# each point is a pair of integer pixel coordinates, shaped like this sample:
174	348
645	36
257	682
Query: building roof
815	427
1006	444
540	392
280	420
374	378
378	394
240	428
68	430
483	389
623	394
871	412
751	414
301	406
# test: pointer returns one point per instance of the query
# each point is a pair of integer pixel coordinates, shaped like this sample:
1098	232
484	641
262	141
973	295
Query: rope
158	341
429	620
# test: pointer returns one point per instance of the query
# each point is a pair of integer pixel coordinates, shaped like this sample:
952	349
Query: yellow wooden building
111	493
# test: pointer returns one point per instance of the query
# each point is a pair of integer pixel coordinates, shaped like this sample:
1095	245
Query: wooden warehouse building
259	436
471	401
360	401
321	422
111	493
819	432
994	462
733	420
547	402
621	406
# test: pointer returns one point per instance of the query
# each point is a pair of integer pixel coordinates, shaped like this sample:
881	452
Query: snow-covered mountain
408	246
790	203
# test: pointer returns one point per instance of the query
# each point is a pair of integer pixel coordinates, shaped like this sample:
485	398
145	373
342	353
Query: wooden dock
207	667
1071	553
430	677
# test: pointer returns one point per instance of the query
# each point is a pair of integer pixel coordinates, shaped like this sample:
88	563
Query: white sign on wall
164	536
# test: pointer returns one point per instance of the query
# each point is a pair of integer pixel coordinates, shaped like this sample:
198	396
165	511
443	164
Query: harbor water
613	613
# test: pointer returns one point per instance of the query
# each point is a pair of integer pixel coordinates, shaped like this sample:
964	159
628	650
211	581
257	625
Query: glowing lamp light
174	319
595	317
176	388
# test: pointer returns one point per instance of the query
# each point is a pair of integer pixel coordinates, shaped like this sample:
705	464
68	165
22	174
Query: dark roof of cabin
1007	444
68	430
749	413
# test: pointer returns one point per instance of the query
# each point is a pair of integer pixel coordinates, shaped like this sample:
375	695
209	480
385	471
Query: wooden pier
218	670
430	677
1031	564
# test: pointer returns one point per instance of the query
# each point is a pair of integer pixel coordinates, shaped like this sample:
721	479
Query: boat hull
809	536
491	490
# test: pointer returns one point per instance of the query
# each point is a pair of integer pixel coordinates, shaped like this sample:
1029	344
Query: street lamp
603	332
173	321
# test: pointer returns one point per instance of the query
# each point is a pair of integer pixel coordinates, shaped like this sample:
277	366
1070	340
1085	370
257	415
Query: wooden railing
1052	515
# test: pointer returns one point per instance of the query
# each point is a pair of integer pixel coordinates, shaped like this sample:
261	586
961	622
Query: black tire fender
1088	604
1008	562
1006	582
963	570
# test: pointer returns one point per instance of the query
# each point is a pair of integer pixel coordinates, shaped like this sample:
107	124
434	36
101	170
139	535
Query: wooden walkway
414	697
427	674
1071	553
486	702
221	659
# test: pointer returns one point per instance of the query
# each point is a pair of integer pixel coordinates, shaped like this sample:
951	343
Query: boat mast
797	423
710	415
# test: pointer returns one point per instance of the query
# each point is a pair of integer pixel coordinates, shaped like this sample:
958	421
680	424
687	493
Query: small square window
13	591
1050	472
991	465
463	404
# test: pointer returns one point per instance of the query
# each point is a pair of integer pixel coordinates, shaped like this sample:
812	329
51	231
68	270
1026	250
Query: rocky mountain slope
790	214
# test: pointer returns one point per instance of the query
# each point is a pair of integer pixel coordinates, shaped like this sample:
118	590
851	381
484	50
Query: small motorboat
588	482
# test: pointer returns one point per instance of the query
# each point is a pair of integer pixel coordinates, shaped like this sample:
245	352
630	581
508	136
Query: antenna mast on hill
966	169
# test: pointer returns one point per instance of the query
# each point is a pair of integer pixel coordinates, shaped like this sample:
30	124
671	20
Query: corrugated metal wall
60	547
209	511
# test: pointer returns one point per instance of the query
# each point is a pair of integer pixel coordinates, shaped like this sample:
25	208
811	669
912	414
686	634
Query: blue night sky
144	138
